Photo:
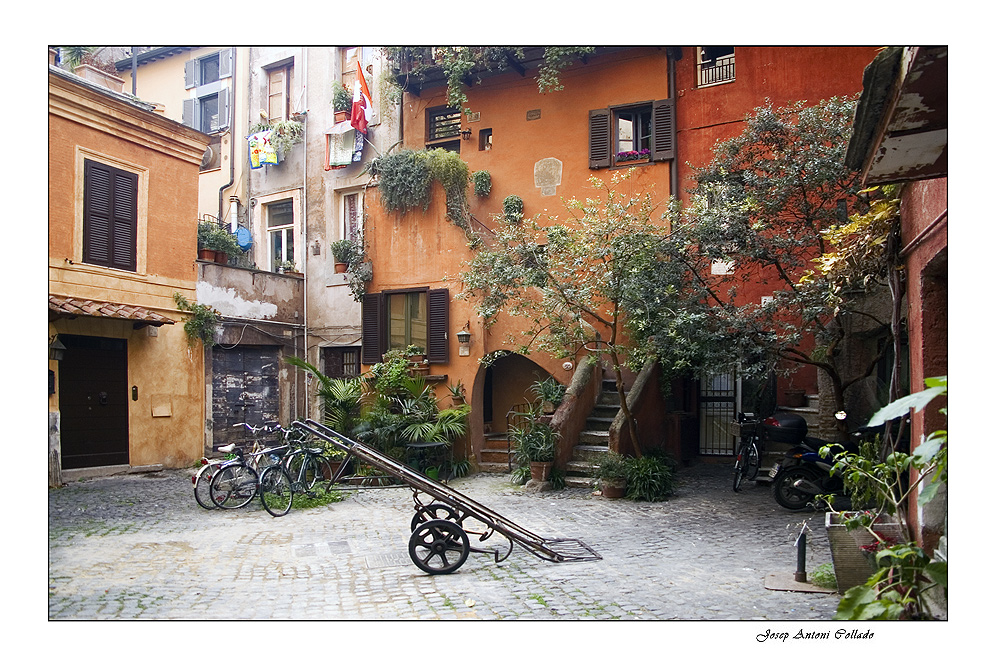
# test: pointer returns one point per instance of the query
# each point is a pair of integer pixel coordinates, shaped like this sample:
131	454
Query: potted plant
343	100
482	183
513	209
535	446
213	237
457	393
206	249
288	267
345	252
611	474
549	392
903	580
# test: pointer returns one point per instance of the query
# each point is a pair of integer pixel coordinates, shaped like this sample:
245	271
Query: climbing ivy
405	181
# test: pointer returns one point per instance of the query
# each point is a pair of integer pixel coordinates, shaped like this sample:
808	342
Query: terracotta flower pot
613	489
540	471
221	258
340	267
206	254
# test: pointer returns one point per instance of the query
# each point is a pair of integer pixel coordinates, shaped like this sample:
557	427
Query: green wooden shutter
600	138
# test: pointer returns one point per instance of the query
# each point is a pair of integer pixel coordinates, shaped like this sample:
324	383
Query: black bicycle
748	455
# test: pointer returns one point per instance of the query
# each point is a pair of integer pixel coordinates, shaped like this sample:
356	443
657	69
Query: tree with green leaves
603	271
773	199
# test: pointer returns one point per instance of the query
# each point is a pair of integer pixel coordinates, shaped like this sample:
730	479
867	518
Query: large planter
206	254
849	562
540	471
613	489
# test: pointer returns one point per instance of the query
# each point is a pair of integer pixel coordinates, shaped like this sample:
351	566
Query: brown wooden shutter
600	138
110	216
372	329
664	130
438	302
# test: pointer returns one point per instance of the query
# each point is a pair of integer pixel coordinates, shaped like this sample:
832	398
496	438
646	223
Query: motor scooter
803	473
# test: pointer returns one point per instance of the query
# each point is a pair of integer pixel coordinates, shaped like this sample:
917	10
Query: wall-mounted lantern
467	133
56	348
464	338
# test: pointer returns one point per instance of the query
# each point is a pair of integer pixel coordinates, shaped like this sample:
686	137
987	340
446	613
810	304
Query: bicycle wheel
275	490
304	469
234	486
739	469
201	484
753	461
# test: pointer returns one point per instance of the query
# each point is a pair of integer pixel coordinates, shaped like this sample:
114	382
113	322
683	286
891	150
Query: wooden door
244	389
93	401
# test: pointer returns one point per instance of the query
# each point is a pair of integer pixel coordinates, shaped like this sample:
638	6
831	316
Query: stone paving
139	547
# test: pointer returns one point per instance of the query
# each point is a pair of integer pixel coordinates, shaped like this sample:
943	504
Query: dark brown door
244	389
93	401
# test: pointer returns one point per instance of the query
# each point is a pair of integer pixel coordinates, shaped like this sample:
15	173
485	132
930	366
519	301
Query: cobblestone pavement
139	547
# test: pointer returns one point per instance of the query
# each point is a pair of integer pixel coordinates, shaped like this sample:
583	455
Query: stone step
493	467
580	467
579	482
494	452
588	453
594	437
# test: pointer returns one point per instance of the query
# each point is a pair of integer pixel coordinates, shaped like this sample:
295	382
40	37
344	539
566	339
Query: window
486	139
716	64
207	109
278	88
393	320
632	133
342	362
110	216
349	56
444	128
352	228
281	232
407	320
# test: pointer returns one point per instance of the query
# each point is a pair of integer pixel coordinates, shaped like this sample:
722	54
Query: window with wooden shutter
110	216
396	320
600	138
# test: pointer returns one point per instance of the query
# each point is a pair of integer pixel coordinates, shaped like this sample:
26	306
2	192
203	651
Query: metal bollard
800	543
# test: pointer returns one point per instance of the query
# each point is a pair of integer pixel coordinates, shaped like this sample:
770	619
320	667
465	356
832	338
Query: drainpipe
672	94
304	244
232	140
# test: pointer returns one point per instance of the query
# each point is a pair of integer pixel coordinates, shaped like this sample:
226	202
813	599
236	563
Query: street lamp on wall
56	348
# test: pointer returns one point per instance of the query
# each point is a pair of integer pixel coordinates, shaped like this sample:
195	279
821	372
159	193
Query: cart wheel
439	547
433	511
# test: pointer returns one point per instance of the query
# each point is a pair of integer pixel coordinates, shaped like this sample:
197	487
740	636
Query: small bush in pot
611	474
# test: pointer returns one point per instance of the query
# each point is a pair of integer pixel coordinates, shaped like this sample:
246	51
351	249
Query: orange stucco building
675	102
125	390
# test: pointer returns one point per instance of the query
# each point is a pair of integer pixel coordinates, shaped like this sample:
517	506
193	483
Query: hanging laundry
262	151
340	143
359	147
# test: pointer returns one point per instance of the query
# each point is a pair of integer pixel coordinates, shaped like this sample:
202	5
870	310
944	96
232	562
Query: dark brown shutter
438	302
600	138
125	220
372	338
664	130
110	216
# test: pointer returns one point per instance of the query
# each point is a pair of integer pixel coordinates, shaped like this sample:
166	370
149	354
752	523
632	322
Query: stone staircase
593	439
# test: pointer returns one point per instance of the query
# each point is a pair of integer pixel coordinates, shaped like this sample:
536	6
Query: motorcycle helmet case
791	428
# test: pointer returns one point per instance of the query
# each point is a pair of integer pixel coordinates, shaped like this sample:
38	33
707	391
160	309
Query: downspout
672	94
232	141
305	244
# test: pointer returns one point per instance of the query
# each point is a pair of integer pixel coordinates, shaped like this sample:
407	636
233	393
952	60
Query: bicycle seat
227	448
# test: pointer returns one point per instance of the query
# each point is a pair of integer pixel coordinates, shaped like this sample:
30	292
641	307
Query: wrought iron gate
717	402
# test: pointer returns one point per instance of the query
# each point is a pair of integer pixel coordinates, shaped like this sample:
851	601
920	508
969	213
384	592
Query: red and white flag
361	111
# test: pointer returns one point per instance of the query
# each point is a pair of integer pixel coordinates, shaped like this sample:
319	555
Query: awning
71	307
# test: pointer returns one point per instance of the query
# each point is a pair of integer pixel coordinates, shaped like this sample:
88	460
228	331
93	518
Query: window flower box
631	156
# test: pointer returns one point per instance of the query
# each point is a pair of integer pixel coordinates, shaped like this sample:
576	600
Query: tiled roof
72	306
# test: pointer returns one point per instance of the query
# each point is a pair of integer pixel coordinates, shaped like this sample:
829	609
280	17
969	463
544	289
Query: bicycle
201	481
748	455
298	473
236	482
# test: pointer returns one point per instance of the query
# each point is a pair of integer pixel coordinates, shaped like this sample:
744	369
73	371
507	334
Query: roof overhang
151	55
72	307
901	124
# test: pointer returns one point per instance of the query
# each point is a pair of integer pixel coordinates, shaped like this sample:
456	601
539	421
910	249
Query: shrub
649	478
